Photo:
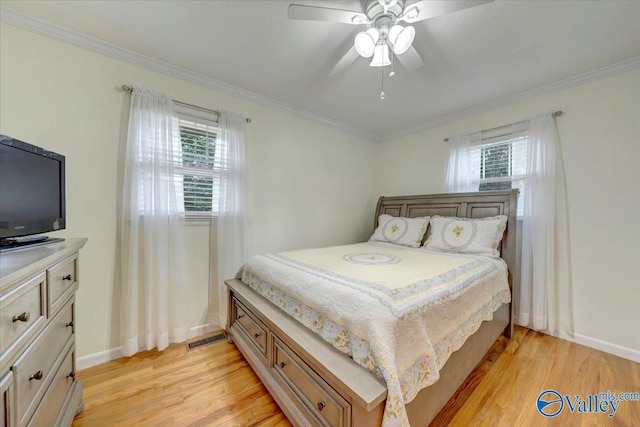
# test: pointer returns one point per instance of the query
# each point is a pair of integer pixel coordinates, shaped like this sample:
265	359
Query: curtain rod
127	88
554	114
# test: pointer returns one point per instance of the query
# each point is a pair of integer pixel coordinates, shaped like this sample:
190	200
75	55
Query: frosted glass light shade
365	42
393	33
380	56
401	38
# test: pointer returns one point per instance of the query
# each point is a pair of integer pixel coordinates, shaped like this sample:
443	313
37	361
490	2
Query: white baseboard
616	350
607	347
202	329
94	359
105	356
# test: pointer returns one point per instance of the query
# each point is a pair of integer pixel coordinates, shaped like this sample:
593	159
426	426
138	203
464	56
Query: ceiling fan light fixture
365	42
381	56
393	33
401	38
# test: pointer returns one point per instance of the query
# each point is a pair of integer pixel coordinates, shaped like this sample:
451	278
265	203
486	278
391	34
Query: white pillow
400	230
478	236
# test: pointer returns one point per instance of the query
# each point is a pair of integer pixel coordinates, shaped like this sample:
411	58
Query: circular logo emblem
371	259
550	403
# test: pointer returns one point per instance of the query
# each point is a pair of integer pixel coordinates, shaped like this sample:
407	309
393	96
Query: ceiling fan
384	33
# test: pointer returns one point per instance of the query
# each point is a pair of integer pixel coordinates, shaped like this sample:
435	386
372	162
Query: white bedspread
399	312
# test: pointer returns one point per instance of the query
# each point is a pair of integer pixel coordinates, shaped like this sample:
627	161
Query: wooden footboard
313	383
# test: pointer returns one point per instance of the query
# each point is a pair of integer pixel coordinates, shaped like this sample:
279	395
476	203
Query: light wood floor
214	386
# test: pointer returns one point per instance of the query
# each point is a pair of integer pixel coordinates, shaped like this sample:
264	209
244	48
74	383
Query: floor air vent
205	341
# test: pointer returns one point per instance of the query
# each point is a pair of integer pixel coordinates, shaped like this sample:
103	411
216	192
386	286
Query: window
199	163
502	163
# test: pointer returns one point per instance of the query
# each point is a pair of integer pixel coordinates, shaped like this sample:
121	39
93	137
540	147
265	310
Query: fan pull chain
392	73
382	83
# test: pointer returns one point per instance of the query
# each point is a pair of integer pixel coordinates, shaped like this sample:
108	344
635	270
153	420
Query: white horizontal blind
503	162
198	165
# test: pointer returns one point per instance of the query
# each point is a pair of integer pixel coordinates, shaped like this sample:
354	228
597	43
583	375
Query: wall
66	99
600	138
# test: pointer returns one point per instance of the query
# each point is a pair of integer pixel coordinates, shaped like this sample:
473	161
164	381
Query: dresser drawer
35	369
49	410
6	404
22	315
253	328
324	403
62	281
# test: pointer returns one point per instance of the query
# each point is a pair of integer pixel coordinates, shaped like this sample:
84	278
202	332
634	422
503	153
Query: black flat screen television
32	189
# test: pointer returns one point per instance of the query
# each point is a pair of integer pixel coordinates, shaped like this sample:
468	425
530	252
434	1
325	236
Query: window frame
510	139
203	117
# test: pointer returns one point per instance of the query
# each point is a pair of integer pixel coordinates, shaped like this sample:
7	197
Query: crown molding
44	28
600	73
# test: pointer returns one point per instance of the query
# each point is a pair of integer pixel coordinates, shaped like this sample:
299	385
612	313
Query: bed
318	367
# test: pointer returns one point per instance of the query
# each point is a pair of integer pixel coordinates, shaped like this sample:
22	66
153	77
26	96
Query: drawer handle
69	324
240	316
283	364
72	374
37	376
67	277
321	406
257	334
24	317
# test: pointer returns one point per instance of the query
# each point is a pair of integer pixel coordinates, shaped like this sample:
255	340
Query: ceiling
472	57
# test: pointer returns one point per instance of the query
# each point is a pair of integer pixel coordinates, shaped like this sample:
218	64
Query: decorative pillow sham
400	230
478	236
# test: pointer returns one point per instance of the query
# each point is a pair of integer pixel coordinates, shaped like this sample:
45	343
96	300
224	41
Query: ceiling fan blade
344	62
426	9
410	59
313	13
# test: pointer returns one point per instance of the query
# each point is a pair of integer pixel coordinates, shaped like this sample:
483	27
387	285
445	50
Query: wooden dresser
37	335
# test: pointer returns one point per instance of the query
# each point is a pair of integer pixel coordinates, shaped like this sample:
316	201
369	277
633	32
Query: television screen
31	189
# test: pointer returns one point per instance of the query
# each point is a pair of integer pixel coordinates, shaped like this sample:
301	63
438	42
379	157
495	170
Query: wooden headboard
463	205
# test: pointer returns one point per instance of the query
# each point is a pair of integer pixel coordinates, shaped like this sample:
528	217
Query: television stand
14	243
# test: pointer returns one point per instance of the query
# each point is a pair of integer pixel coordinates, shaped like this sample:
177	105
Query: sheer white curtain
545	285
544	300
230	229
153	311
463	168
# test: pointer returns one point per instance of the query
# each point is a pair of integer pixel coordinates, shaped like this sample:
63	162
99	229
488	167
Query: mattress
398	312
